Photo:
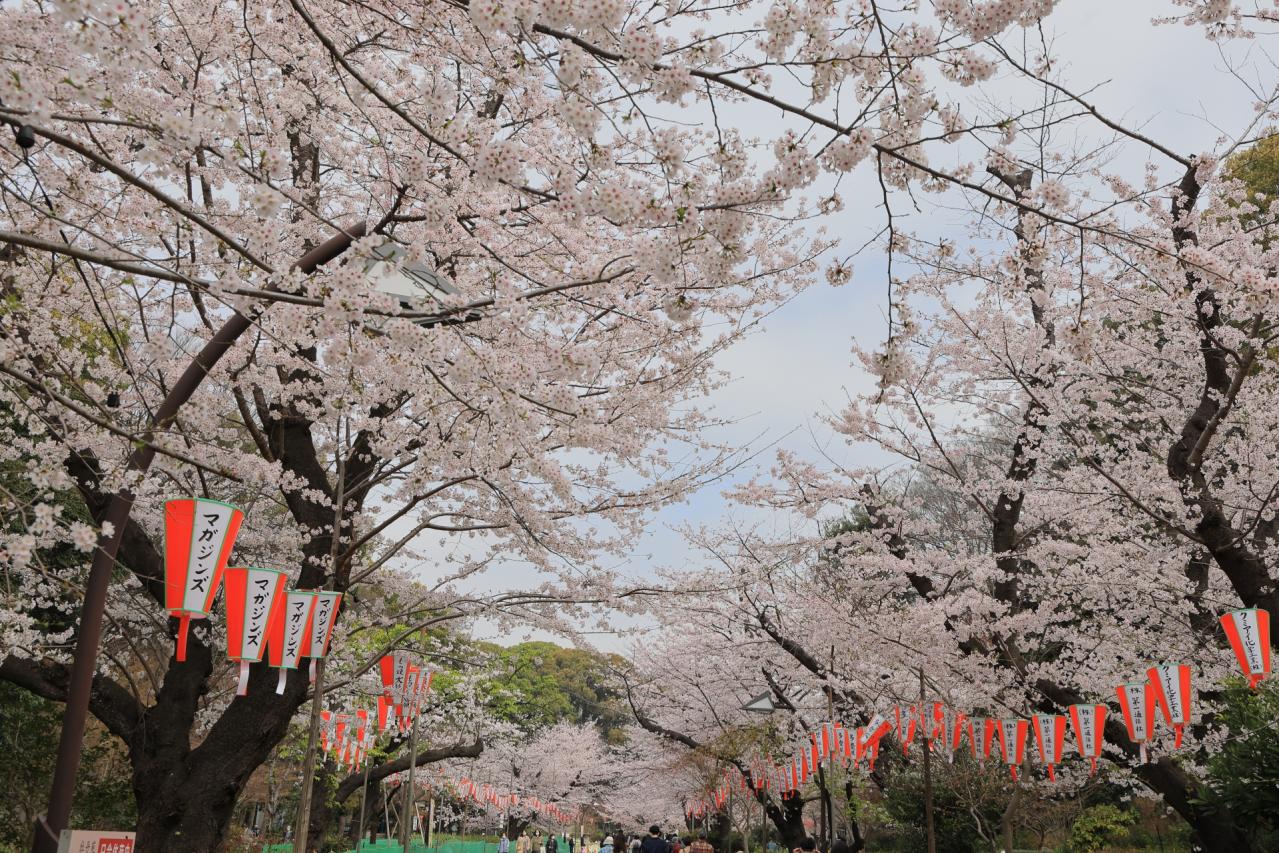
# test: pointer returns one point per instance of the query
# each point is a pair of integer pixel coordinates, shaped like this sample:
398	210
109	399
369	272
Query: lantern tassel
184	622
1093	771
1012	768
1144	758
312	670
1254	680
279	685
242	686
1176	742
1052	774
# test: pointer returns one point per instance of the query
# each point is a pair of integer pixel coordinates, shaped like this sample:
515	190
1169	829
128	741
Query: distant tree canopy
538	684
1258	165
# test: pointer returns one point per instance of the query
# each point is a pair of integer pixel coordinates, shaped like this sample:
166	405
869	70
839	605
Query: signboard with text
89	841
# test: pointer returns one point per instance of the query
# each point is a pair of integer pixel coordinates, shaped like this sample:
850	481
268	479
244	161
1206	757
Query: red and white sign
88	841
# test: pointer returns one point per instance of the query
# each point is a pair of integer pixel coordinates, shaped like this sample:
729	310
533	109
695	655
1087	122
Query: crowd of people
655	842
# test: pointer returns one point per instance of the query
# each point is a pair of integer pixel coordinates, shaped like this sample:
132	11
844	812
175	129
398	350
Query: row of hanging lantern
486	796
404	687
1167	691
492	798
263	618
349	736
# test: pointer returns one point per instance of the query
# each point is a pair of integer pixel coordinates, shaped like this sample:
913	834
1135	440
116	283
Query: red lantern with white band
1249	635
284	644
1137	702
316	643
1089	723
254	603
1170	683
198	535
1012	743
1050	737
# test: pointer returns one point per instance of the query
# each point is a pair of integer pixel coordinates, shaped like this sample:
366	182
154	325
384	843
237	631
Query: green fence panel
384	845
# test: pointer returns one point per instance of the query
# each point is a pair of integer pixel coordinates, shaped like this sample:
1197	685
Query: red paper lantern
1170	684
963	729
284	644
254	603
315	644
905	724
1012	743
1249	635
1137	702
394	669
198	535
1089	722
383	711
1050	737
985	728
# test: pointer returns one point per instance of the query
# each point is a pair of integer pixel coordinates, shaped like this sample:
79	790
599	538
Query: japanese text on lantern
256	613
210	522
1251	646
294	628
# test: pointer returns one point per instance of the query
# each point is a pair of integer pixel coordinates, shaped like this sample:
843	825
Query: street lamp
414	285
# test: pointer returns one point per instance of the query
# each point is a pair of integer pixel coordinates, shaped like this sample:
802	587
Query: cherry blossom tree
587	251
1080	416
169	163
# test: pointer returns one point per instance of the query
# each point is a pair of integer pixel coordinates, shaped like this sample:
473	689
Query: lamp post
48	829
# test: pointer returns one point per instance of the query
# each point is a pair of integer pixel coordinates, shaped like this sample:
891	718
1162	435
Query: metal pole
85	659
308	762
364	798
406	830
386	809
928	777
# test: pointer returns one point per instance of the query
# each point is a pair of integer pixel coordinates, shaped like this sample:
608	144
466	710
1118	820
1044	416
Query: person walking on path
701	845
607	846
541	845
654	843
552	843
840	845
523	843
504	844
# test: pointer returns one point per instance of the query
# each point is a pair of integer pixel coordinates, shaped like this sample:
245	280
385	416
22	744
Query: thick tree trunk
788	818
185	796
856	843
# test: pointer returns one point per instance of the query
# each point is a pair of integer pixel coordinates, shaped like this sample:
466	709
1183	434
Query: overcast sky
1164	79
